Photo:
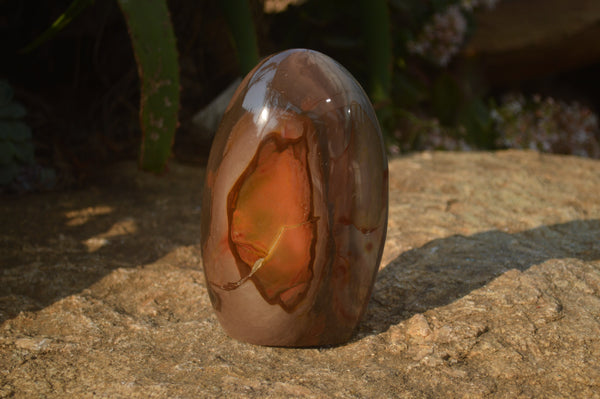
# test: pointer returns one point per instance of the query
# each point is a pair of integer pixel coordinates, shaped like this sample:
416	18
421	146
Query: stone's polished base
295	204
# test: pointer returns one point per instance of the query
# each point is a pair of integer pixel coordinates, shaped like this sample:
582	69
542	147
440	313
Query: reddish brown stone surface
295	204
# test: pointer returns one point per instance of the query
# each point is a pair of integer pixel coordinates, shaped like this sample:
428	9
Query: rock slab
489	287
525	39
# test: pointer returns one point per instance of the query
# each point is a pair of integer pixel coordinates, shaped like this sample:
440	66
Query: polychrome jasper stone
295	204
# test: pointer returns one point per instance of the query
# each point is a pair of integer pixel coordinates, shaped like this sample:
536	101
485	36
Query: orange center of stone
271	221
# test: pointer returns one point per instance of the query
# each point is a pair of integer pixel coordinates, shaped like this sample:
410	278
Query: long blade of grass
239	18
155	51
74	9
376	27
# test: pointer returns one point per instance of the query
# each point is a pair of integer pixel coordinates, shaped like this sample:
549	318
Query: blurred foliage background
434	82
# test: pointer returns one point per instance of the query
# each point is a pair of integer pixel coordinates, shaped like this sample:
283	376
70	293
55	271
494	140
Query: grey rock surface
489	287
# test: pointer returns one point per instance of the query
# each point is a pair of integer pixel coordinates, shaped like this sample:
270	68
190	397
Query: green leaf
12	110
475	117
153	42
6	93
239	18
376	27
408	91
23	151
14	131
8	173
7	151
75	8
446	99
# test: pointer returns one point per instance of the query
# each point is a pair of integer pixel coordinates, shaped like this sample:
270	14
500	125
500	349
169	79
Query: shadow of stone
446	269
55	244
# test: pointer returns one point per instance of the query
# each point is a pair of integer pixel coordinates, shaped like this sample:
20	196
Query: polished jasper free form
295	204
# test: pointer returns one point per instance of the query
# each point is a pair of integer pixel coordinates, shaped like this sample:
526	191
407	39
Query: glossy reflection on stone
295	204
